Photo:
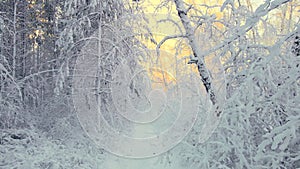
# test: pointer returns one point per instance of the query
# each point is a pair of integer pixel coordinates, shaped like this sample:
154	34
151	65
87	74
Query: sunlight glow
158	11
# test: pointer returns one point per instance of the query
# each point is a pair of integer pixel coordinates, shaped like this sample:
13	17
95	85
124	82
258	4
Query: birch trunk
202	69
14	41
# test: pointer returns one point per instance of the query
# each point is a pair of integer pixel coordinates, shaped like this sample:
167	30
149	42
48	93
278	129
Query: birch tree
252	46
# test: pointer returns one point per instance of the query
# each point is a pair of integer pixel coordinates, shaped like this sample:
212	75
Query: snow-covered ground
27	149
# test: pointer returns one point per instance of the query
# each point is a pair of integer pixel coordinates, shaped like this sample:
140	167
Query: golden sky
281	19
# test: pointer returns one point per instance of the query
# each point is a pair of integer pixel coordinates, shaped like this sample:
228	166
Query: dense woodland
257	46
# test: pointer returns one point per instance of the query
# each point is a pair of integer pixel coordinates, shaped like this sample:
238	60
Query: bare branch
165	39
172	21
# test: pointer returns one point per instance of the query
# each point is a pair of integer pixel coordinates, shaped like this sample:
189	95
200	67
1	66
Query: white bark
14	40
202	69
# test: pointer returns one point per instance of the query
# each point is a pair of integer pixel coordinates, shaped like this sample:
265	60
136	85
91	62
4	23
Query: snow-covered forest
154	84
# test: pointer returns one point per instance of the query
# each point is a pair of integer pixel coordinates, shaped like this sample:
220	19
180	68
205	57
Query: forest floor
29	149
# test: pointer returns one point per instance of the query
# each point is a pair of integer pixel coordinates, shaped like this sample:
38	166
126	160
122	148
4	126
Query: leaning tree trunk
202	69
212	118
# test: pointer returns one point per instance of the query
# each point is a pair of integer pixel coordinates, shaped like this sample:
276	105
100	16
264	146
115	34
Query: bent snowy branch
164	40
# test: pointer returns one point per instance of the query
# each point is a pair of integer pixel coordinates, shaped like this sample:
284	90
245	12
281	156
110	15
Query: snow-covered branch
261	11
165	39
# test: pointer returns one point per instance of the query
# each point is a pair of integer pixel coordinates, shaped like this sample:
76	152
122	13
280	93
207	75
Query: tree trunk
202	69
